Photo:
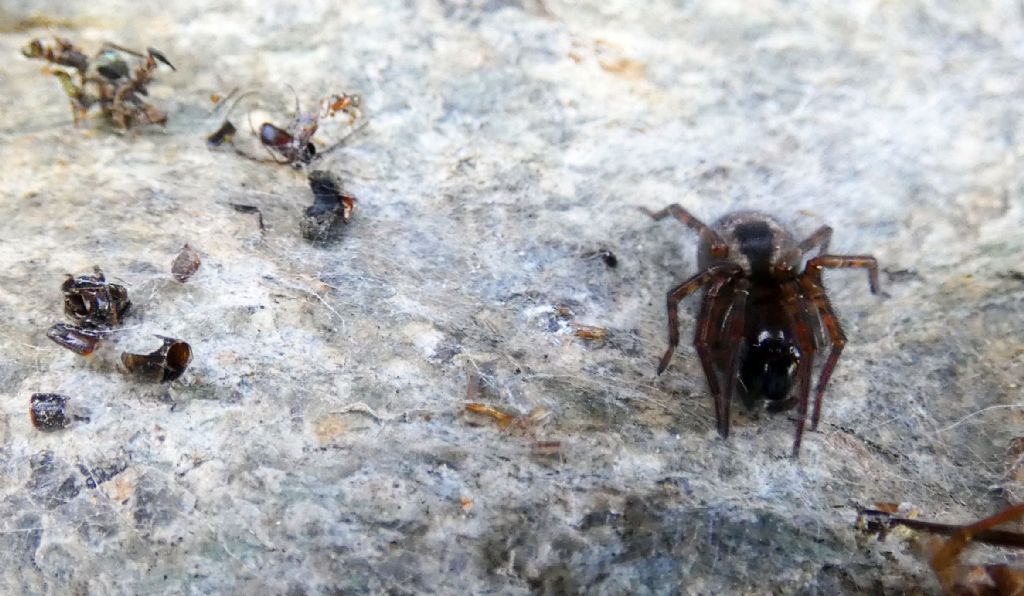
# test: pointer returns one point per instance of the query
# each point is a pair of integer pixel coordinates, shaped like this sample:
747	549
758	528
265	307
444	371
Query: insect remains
760	318
95	305
185	264
165	364
955	577
92	301
107	80
606	256
224	134
78	340
331	207
48	411
292	144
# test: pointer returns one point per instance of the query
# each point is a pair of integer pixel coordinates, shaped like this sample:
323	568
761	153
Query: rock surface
319	443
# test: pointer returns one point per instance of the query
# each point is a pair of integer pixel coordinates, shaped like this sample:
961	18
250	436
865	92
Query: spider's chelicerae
762	320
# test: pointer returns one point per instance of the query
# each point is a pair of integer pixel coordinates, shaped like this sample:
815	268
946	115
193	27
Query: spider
761	320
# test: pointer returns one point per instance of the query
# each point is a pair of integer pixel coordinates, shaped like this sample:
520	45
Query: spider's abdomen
769	367
770	356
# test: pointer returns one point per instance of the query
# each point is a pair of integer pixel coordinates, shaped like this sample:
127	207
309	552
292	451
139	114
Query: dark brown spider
761	320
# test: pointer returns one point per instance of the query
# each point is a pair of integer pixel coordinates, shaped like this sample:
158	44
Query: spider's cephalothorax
761	319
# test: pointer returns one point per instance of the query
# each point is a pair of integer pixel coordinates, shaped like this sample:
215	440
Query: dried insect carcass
222	135
95	305
292	144
92	301
77	339
185	264
48	411
955	577
331	207
165	364
506	420
107	81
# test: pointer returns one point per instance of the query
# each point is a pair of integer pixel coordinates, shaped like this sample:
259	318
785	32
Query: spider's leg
683	290
816	294
718	246
820	238
709	325
795	306
109	45
234	104
343	140
944	561
734	339
298	108
817	264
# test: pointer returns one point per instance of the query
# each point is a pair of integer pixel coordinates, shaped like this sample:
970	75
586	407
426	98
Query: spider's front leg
820	238
795	307
718	247
819	263
736	315
816	294
725	270
708	330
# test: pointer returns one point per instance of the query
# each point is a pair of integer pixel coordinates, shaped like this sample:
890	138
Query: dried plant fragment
162	366
503	419
330	207
185	264
506	420
78	340
591	333
48	411
91	301
547	448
